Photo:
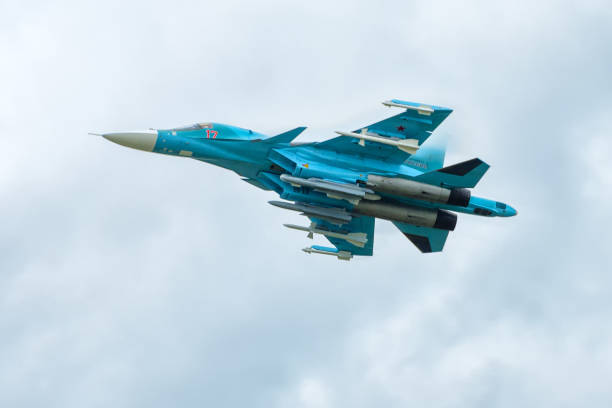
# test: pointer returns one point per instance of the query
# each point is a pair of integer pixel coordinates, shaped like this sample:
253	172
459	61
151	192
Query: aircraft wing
425	239
360	230
416	123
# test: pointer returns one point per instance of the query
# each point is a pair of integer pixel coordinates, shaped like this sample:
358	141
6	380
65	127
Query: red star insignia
400	128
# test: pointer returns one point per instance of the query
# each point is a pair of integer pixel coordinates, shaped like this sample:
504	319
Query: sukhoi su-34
383	170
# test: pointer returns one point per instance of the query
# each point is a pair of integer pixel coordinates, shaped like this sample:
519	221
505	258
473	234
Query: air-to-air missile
407	145
336	216
317	249
356	238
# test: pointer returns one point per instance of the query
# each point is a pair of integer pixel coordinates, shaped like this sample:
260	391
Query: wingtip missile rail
421	109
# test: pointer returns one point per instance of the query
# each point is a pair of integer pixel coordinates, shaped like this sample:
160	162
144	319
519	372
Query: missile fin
356	243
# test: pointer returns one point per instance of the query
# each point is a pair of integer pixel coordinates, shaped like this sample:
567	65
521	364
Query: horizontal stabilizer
463	175
425	239
286	137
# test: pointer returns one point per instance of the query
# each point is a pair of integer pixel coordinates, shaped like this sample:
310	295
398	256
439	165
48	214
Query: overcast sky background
130	279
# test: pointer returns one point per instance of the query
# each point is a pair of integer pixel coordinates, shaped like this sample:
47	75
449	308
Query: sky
131	279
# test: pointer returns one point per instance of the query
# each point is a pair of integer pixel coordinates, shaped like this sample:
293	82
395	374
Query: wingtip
423	108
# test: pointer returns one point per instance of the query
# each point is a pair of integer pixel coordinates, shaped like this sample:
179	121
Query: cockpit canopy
195	126
215	131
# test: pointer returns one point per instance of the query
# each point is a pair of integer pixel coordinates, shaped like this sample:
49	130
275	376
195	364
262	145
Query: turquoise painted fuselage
261	159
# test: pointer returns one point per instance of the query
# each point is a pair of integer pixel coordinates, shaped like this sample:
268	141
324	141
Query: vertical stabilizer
461	175
430	156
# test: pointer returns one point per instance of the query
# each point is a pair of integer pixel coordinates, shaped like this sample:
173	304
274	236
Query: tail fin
427	157
463	175
430	156
286	137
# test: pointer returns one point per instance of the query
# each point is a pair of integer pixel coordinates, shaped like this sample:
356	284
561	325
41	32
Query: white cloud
313	394
131	279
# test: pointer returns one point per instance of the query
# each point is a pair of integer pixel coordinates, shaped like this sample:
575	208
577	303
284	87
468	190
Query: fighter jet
384	170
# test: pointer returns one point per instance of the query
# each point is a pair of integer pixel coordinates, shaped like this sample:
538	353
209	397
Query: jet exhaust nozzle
445	220
459	197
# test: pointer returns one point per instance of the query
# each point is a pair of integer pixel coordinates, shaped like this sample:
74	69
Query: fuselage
252	156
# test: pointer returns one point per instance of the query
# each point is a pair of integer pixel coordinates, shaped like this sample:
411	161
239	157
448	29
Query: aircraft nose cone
141	139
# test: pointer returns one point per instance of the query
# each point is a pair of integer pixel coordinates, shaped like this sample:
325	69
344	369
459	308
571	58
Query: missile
407	145
315	249
337	216
421	109
349	192
356	238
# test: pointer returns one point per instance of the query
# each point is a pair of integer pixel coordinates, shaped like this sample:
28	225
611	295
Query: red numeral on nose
211	132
